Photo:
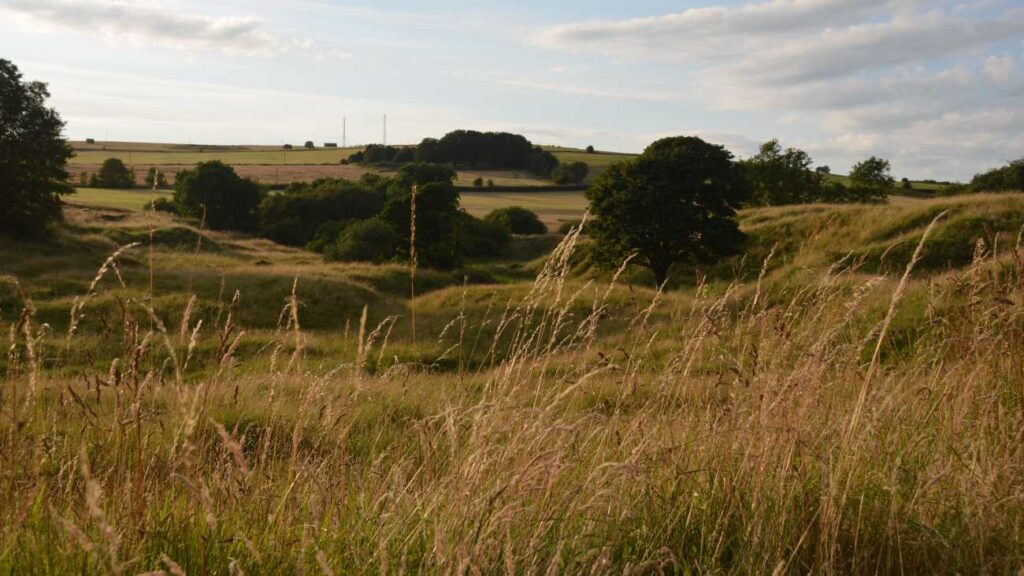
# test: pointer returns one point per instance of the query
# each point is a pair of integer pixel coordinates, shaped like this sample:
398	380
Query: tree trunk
660	273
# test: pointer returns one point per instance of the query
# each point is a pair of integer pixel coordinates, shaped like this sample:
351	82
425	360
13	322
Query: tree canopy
114	174
295	216
214	191
33	156
571	173
779	177
1006	178
870	180
674	203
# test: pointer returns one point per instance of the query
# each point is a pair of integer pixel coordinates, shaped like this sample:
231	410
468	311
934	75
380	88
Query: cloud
145	24
866	76
703	32
1000	68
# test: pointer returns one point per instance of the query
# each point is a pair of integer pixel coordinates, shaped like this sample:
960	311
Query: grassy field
171	154
553	208
213	403
134	199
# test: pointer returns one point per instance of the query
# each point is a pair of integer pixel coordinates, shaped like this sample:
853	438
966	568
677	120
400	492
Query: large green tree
871	180
33	156
437	213
213	190
780	176
674	203
114	173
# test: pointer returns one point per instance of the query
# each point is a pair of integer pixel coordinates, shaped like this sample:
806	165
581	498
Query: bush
478	182
371	240
571	173
212	190
481	238
517	220
154	176
590	149
309	144
163	205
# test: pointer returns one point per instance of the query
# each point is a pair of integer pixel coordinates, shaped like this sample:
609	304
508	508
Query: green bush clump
517	220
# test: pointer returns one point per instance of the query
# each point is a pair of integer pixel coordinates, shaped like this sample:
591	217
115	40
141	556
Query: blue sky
935	86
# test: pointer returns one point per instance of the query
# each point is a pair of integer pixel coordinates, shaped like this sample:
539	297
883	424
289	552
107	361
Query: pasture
209	402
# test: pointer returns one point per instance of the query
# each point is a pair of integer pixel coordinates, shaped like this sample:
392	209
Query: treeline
472	149
1009	178
778	176
369	220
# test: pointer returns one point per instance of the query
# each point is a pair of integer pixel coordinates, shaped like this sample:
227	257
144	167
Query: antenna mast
385	129
344	132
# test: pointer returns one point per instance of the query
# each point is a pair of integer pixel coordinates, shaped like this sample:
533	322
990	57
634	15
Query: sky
934	86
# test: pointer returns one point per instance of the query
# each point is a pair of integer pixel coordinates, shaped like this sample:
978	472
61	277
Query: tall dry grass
750	433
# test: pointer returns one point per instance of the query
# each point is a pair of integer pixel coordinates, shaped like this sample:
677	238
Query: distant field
144	153
553	208
598	161
111	198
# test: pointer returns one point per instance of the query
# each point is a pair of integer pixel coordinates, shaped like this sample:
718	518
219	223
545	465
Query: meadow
848	397
274	165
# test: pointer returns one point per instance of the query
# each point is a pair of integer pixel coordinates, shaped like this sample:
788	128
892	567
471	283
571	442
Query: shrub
478	182
309	144
481	238
571	173
590	149
517	220
155	176
163	205
371	240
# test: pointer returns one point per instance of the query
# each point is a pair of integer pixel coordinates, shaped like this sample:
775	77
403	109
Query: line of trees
467	149
780	176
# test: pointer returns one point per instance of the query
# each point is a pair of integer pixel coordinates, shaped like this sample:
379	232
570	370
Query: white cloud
704	32
150	24
871	76
1000	68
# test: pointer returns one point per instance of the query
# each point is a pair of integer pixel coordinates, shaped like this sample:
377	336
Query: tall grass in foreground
749	434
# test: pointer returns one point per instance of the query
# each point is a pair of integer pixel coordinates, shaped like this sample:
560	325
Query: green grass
598	161
551	207
134	199
176	154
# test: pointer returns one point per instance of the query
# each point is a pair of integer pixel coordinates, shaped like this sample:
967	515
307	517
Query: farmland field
134	199
553	208
165	154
